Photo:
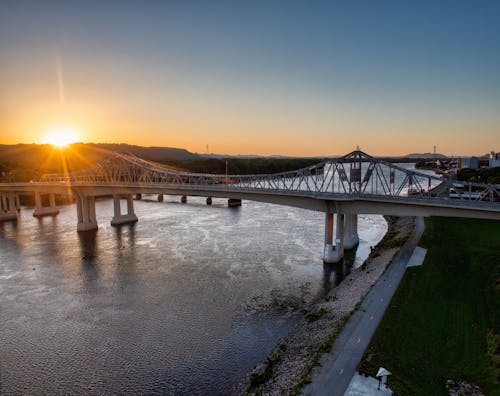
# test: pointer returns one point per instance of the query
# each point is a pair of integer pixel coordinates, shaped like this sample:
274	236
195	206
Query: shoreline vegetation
443	325
288	366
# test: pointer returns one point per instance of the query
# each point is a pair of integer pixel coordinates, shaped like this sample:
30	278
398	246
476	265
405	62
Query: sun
61	137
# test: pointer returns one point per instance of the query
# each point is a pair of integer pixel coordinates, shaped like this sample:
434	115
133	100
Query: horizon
331	155
259	79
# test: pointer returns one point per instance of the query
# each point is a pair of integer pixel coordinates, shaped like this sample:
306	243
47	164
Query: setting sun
61	137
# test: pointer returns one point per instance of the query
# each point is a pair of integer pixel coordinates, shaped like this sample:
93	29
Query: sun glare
61	137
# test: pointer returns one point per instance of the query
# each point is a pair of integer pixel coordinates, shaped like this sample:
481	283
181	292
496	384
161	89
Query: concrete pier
351	238
85	208
333	253
118	218
8	209
17	202
40	210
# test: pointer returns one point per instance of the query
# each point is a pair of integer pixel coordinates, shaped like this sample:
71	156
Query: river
186	301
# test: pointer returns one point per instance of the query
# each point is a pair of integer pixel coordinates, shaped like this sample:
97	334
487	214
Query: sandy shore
288	366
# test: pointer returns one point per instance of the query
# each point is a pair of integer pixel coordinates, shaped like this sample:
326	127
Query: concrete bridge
342	188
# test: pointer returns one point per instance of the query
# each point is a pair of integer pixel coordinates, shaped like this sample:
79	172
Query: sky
267	77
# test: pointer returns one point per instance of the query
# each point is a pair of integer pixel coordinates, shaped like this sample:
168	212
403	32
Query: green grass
443	322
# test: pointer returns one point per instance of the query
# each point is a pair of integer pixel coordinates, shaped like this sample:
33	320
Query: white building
494	160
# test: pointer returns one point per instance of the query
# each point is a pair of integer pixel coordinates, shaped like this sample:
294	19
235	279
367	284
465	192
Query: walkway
339	366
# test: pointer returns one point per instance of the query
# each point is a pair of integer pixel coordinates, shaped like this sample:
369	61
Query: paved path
339	366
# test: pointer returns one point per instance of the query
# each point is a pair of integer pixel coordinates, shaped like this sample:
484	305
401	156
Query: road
338	366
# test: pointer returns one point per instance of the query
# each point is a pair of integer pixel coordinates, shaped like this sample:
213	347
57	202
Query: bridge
340	187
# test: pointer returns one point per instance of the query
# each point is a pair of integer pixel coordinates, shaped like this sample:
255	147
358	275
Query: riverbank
441	327
289	364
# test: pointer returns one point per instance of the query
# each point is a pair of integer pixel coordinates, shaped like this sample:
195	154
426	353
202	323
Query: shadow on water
333	274
88	246
126	260
10	236
7	226
125	237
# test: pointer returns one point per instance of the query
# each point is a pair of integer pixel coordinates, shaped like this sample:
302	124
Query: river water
186	301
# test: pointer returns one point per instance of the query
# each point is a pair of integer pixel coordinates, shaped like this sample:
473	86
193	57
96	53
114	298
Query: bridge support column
41	211
118	218
85	208
4	204
17	202
8	207
209	200
351	238
334	253
160	197
184	199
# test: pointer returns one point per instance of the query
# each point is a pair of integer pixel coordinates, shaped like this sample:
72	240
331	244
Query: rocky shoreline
289	364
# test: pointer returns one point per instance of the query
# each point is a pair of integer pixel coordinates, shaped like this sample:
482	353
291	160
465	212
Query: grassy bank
443	322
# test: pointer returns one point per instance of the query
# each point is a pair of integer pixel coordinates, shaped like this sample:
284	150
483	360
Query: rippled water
186	301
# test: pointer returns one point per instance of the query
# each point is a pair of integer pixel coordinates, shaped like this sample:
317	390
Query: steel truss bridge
346	186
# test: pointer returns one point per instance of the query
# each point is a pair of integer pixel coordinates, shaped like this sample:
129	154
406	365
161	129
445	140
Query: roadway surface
338	367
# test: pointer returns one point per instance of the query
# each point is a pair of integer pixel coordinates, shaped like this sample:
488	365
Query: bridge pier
334	253
160	197
184	199
41	211
8	209
85	208
17	202
351	238
209	200
118	218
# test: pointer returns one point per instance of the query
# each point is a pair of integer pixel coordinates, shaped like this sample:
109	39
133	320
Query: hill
23	162
425	156
158	154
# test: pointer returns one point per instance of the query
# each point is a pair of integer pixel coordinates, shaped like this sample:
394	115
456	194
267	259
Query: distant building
494	160
469	162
